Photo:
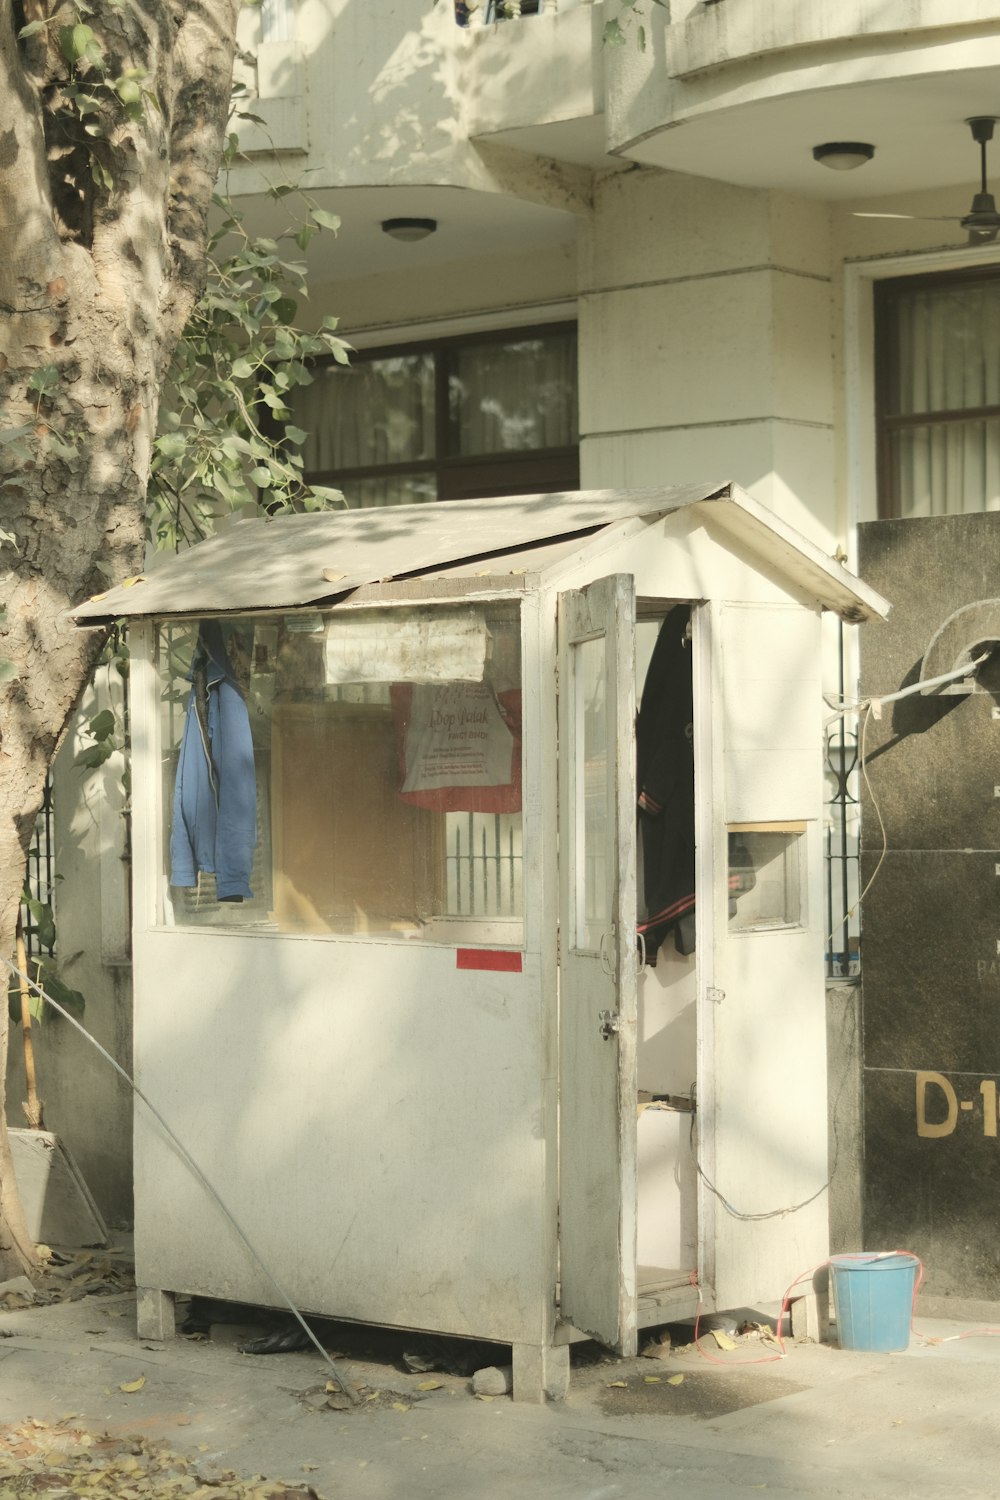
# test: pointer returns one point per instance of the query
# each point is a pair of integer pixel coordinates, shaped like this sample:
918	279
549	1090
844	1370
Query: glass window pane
375	411
277	20
394	489
945	348
516	396
378	755
592	811
946	468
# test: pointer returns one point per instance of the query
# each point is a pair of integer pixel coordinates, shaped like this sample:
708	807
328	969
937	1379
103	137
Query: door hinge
715	995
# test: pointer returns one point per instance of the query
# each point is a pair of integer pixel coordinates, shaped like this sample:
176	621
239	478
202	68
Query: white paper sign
456	737
426	648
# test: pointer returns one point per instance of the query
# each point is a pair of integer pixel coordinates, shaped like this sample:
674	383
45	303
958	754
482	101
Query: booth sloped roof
296	560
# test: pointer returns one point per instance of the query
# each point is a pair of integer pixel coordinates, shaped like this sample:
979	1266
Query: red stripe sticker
498	960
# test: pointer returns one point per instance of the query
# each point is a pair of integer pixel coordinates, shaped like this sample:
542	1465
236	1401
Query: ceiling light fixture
843	156
409	229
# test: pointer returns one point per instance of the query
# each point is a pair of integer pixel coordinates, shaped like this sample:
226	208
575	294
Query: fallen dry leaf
674	1379
36	1459
430	1385
723	1339
129	1386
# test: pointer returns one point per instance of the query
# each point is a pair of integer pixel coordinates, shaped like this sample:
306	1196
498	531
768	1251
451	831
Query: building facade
585	245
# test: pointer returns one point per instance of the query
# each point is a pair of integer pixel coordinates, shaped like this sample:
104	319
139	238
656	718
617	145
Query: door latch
610	1024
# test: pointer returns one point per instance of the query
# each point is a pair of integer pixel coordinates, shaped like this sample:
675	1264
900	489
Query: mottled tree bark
101	260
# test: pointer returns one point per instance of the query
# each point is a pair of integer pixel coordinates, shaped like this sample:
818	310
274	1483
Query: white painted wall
86	1104
703	36
380	1123
706	344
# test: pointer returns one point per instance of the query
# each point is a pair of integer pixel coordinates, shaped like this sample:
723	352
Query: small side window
766	867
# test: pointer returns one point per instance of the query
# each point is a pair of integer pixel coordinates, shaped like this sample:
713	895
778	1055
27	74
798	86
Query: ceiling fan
982	221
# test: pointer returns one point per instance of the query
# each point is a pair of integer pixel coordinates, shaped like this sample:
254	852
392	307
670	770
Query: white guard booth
480	1018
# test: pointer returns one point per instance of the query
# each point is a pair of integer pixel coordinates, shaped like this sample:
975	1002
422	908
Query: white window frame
859	367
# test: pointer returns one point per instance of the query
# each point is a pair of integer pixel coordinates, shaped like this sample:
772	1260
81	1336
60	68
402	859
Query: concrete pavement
818	1422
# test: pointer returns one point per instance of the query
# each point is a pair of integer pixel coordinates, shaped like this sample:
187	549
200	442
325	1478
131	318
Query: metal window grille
843	946
40	875
483	864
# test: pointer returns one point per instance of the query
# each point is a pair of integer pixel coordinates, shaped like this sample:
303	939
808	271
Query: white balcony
741	92
385	111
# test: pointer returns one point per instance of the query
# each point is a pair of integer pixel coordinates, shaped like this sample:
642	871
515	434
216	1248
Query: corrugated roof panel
297	560
275	564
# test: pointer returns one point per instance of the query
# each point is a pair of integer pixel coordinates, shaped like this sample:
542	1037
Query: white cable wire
907	692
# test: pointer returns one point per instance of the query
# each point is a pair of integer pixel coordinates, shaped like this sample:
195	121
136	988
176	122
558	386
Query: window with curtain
938	393
448	420
277	20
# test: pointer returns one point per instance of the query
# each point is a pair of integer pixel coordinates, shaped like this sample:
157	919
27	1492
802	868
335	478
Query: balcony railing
491	11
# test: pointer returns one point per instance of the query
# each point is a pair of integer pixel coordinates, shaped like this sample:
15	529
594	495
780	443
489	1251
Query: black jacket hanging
665	778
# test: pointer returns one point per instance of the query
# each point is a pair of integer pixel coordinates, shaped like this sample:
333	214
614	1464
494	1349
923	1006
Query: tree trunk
103	238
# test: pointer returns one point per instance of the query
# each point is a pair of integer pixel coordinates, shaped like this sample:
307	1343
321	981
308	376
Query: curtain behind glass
948	359
377	411
513	397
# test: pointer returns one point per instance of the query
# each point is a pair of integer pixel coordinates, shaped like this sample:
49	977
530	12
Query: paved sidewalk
819	1422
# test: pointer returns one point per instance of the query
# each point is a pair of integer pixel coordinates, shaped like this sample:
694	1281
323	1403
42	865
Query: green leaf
274	401
65	451
325	497
242	369
262	476
296	434
95	755
103	724
73	41
71	1000
614	36
172	445
44	378
31	28
41	915
323	219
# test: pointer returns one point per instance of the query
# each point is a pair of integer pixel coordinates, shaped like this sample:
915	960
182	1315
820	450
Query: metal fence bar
842	863
40	875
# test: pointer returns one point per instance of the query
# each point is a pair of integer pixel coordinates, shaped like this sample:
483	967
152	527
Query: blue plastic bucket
873	1300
